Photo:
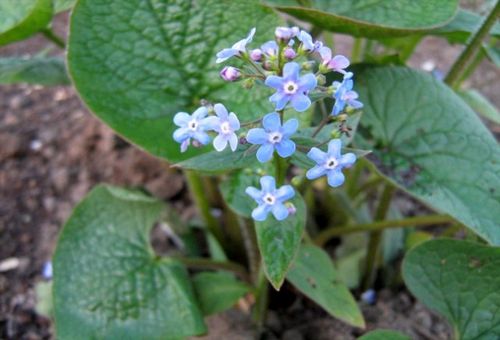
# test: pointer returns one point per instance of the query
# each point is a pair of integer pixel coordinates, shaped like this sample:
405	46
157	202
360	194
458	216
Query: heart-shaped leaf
374	19
19	19
460	280
108	282
38	70
279	242
137	63
432	145
314	275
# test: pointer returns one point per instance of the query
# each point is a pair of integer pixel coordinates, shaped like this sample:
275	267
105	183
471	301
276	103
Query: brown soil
53	151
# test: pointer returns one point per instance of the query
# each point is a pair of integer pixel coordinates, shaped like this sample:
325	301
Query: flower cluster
292	66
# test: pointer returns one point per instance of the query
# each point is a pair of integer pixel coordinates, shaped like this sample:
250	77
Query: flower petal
285	193
290	127
260	213
221	111
315	172
200	113
254	193
220	143
280	100
338	107
274	82
301	102
270	48
334	147
268	184
291	71
307	82
210	123
355	104
201	137
181	134
234	122
257	136
347	160
335	178
225	54
317	155
325	53
339	62
280	212
182	118
285	148
233	142
265	153
271	122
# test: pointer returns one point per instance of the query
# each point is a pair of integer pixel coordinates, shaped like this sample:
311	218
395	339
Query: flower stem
478	58
50	35
356	50
473	45
197	190
204	263
321	125
418	221
261	300
250	243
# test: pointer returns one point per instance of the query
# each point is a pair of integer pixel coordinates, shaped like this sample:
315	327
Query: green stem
356	50
251	248
50	35
478	58
261	301
321	125
199	196
368	48
204	263
473	45
418	221
376	238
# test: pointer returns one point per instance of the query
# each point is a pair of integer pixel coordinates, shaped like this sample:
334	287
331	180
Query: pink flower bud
289	53
256	55
230	73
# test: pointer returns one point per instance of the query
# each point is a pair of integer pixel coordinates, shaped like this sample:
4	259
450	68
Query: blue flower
337	63
237	49
286	33
191	126
344	95
330	163
270	48
273	136
225	124
270	199
307	42
291	88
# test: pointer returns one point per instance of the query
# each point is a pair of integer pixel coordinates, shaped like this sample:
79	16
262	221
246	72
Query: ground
53	151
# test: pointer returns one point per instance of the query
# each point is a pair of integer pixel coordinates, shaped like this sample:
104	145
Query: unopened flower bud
230	73
307	65
335	134
297	180
248	83
267	65
291	208
256	55
284	34
321	79
196	143
289	53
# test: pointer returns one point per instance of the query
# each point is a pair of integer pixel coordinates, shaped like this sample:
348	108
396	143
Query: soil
53	151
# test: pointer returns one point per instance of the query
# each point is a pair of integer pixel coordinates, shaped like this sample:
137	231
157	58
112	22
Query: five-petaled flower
237	49
273	136
307	42
270	199
337	63
192	126
344	95
225	124
292	88
330	163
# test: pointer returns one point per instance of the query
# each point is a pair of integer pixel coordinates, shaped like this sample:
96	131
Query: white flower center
275	137
331	163
290	87
225	128
193	125
269	199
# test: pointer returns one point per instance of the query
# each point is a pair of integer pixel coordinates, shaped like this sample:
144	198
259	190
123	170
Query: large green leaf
314	275
218	291
384	334
37	70
462	26
215	161
20	19
137	63
279	242
480	104
431	144
460	280
382	18
108	282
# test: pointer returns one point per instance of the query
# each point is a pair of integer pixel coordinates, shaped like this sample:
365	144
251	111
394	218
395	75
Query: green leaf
44	304
151	59
218	291
108	282
432	145
233	191
493	54
480	104
374	19
63	5
384	334
279	241
460	280
37	70
215	161
462	26
314	275
19	19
